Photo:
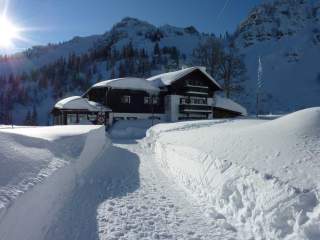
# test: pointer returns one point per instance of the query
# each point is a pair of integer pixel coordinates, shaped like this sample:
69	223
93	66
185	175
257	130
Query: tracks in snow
124	195
158	209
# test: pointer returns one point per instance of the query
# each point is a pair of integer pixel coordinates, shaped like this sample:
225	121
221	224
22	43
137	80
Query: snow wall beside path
41	191
253	203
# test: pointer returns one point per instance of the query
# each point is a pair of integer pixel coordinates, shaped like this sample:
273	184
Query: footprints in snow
155	210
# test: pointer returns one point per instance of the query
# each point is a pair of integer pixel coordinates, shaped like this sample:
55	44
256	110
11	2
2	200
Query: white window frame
146	100
155	100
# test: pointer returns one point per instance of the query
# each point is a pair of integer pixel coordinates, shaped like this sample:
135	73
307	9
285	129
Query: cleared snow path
124	195
156	210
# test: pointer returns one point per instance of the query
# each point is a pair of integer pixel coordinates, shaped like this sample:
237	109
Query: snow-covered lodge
189	93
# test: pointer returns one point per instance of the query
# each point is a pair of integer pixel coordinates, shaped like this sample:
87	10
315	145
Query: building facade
190	93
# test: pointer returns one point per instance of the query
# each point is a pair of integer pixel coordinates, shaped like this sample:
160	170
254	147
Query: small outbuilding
78	110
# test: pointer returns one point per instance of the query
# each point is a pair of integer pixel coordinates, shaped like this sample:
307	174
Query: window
155	100
125	99
146	100
71	118
83	118
201	101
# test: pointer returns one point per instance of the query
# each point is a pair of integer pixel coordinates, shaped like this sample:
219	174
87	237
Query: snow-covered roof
128	83
166	79
226	103
77	102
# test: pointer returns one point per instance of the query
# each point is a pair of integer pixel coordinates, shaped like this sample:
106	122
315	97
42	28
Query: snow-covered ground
39	166
213	179
257	177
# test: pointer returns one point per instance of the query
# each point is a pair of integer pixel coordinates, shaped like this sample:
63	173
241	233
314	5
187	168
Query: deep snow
260	177
213	179
39	166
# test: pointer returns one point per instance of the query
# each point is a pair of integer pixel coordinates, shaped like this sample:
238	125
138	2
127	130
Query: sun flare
8	33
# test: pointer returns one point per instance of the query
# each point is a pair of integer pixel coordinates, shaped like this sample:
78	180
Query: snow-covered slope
257	177
141	34
286	35
131	48
144	35
39	56
38	168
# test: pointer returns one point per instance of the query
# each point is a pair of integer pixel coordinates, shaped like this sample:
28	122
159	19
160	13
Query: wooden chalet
190	93
187	93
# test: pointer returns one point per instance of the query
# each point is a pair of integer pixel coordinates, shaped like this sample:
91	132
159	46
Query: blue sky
60	20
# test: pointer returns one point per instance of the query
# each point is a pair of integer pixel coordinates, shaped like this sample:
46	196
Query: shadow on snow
112	175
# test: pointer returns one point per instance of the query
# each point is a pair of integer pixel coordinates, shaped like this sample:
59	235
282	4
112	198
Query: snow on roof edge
128	83
79	103
165	79
227	103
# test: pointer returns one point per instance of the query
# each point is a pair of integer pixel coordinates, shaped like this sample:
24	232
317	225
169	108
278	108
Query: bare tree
231	69
222	61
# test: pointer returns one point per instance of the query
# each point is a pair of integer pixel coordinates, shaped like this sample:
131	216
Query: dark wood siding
97	95
136	105
181	86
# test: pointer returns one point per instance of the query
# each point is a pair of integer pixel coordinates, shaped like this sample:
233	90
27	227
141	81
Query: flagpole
259	85
257	104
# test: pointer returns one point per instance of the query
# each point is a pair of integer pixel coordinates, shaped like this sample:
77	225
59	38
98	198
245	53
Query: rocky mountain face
286	35
279	19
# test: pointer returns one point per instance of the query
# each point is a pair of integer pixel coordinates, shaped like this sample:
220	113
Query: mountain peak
129	22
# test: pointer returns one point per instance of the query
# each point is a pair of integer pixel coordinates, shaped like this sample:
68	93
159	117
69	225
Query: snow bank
259	178
39	167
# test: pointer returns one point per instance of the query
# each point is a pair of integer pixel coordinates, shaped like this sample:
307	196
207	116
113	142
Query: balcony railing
188	108
197	90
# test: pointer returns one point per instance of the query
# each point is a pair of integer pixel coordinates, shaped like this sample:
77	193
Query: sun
8	33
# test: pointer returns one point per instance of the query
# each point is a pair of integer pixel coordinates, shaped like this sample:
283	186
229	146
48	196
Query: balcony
196	90
188	108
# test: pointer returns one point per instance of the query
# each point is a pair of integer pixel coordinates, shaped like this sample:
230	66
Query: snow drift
39	167
259	178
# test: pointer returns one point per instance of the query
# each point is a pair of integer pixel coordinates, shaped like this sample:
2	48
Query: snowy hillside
143	35
38	56
131	48
286	35
259	178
